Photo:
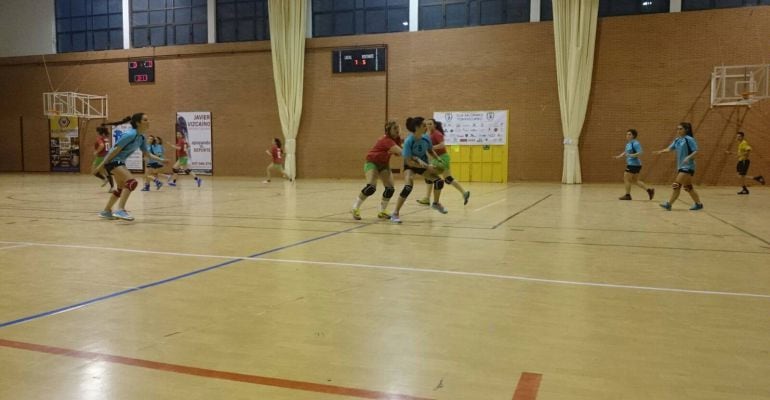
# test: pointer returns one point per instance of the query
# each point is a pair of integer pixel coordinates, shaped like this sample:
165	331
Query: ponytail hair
439	126
102	131
277	142
121	122
413	123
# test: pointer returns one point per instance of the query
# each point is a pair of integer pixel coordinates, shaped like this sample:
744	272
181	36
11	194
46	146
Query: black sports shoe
744	191
625	197
760	179
651	193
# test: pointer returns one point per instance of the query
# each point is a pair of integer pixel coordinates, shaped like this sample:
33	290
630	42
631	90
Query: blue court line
171	279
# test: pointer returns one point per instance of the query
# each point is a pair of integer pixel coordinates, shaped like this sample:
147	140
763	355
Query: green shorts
368	166
274	165
445	158
183	160
97	161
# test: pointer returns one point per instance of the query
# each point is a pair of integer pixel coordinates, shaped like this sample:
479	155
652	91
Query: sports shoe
466	196
395	219
267	181
172	184
760	179
199	181
440	208
696	207
146	188
106	214
744	191
383	215
651	193
158	184
356	214
122	214
424	201
625	197
666	205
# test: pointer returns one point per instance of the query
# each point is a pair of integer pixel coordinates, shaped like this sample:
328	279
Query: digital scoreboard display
360	60
141	71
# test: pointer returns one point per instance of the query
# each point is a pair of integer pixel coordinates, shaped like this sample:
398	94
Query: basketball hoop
747	95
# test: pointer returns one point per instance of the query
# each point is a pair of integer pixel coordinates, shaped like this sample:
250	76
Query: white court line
488	205
14	247
409	269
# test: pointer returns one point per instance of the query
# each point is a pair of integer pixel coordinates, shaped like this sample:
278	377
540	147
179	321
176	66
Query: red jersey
277	154
182	150
436	137
380	154
100	140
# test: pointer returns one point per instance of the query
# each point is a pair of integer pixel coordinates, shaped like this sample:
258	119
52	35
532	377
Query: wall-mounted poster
65	144
474	127
196	128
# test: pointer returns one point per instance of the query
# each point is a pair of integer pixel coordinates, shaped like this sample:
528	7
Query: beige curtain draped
287	41
574	28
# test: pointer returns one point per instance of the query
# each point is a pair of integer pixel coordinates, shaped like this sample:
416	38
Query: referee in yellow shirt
743	162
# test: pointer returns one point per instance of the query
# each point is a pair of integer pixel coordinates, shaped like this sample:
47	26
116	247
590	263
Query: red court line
528	385
210	373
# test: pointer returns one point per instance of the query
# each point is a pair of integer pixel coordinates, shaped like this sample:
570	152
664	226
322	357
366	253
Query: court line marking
233	259
521	211
489	205
14	247
528	385
209	373
738	228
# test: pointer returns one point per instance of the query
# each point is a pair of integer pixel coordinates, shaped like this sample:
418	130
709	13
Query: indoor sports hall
385	199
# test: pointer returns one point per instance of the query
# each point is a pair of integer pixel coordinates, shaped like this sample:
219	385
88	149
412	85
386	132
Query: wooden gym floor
240	290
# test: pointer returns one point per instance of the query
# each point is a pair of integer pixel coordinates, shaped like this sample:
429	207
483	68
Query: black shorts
633	169
154	165
113	164
416	170
687	171
743	167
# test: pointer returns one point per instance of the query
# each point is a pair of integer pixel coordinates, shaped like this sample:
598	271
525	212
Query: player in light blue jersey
633	165
686	149
416	149
115	163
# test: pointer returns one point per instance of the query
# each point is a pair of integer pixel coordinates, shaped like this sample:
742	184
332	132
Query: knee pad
428	181
438	184
449	179
406	190
117	192
131	184
187	171
368	190
688	188
676	185
389	191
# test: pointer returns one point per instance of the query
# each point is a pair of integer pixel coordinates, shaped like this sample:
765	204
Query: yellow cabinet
479	163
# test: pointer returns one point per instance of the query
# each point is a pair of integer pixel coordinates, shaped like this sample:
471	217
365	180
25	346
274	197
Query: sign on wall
134	161
65	144
474	127
196	128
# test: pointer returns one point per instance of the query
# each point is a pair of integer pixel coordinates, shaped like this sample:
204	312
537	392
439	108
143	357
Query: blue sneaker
395	219
439	207
106	214
158	184
146	188
123	214
666	205
172	184
696	207
199	181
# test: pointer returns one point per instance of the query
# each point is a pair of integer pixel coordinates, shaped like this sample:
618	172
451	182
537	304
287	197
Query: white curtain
574	28
287	41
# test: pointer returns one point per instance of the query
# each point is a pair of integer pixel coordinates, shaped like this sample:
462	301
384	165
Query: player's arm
396	149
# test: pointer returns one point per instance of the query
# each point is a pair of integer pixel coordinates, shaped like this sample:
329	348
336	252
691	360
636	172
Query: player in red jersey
182	160
437	139
276	153
377	166
101	148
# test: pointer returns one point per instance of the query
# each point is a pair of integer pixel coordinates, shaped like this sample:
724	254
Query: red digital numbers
133	64
141	78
